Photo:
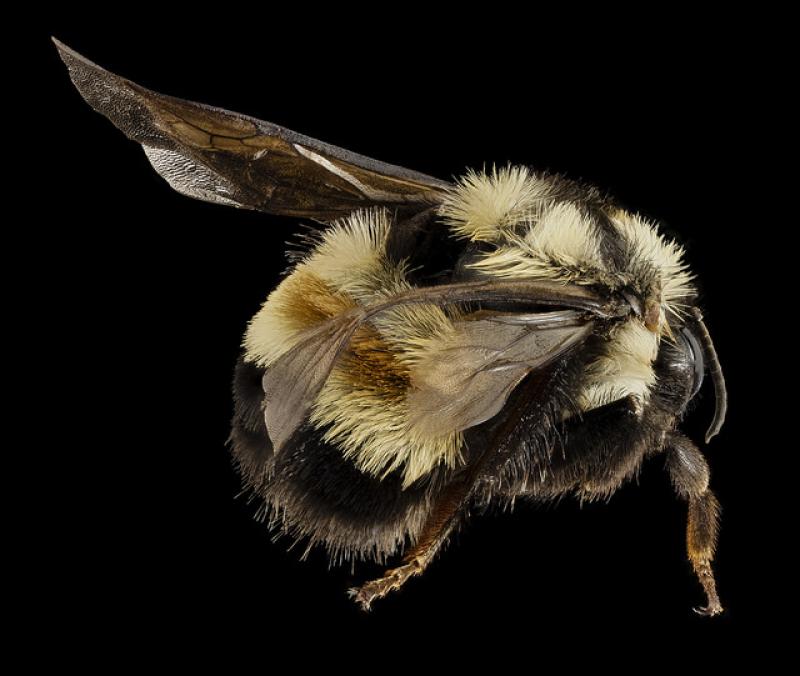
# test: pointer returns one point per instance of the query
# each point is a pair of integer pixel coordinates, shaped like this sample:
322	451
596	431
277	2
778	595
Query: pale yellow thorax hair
536	235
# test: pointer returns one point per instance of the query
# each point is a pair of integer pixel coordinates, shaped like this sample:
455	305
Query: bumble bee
439	346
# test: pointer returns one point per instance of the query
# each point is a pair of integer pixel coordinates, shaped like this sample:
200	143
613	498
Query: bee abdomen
311	491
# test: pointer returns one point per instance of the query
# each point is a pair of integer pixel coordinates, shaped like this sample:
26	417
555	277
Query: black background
151	293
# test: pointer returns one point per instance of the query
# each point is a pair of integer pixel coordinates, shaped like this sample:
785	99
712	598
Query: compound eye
694	353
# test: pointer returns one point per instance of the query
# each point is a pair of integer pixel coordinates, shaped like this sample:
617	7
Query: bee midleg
441	522
454	498
689	473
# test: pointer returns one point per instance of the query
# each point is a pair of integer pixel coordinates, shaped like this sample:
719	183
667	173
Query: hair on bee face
438	345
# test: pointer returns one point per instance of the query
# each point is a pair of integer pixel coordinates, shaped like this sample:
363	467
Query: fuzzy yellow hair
538	236
363	405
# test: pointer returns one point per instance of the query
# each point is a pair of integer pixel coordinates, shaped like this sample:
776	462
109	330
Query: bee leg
434	533
394	578
689	473
451	505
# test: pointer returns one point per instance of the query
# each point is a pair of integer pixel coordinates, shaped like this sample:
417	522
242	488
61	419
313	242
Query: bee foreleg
689	473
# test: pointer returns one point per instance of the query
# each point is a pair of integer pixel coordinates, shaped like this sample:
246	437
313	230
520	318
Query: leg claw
361	597
709	611
375	589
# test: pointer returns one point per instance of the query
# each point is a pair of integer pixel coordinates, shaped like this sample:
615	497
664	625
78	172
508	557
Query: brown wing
292	383
467	379
219	156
